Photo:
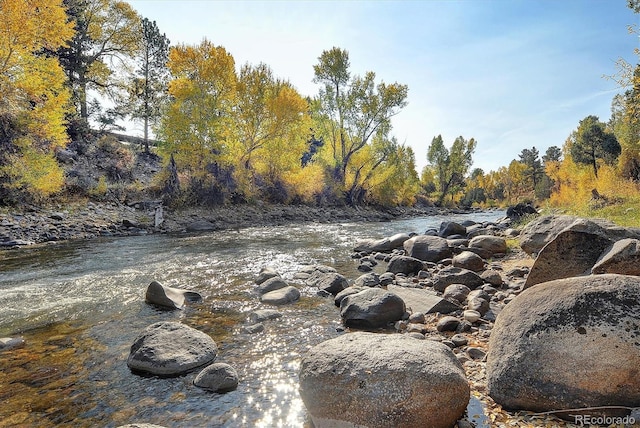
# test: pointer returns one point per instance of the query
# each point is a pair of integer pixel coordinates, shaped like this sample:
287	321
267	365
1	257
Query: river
80	305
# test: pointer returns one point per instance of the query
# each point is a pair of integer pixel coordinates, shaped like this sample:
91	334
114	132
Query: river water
79	307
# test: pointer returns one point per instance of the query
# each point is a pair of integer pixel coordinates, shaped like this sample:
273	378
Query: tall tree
534	170
107	36
267	109
592	142
451	166
33	98
352	109
148	87
196	126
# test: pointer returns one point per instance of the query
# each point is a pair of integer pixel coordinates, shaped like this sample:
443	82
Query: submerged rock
170	349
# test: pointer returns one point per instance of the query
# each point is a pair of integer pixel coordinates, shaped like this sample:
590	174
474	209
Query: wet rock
281	296
170	349
371	308
369	246
424	301
404	264
468	260
371	369
217	377
569	343
271	284
331	282
427	248
622	257
254	328
169	297
265	274
261	315
7	343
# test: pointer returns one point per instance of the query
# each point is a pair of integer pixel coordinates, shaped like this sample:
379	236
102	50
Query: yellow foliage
306	183
196	126
32	89
100	189
33	171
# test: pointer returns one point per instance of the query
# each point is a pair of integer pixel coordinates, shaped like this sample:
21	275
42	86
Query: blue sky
511	74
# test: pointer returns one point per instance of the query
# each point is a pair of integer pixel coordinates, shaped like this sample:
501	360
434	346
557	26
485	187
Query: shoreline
79	221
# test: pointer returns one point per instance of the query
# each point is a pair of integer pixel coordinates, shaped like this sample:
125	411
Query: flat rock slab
171	349
424	301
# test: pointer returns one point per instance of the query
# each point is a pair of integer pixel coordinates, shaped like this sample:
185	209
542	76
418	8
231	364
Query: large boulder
397	240
543	230
371	308
427	248
382	380
405	264
169	297
572	252
622	257
170	349
566	344
516	212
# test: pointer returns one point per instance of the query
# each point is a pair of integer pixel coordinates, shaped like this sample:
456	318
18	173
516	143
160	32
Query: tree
592	142
196	126
33	98
450	166
351	110
148	87
534	170
107	35
267	109
553	154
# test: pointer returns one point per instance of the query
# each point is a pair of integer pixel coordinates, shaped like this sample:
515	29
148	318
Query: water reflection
80	306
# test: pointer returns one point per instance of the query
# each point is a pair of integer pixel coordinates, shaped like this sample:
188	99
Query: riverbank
88	220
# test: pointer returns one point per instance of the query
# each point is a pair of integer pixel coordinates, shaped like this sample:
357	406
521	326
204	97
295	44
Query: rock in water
218	377
383	380
169	297
569	343
281	296
170	349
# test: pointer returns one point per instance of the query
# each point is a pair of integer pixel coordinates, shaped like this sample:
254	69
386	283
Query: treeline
238	133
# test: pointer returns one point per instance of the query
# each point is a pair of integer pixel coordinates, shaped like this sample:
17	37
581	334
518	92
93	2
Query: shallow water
79	307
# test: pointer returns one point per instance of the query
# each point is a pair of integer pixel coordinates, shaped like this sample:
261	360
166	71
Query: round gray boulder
427	248
170	349
383	380
281	296
217	377
568	343
371	308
